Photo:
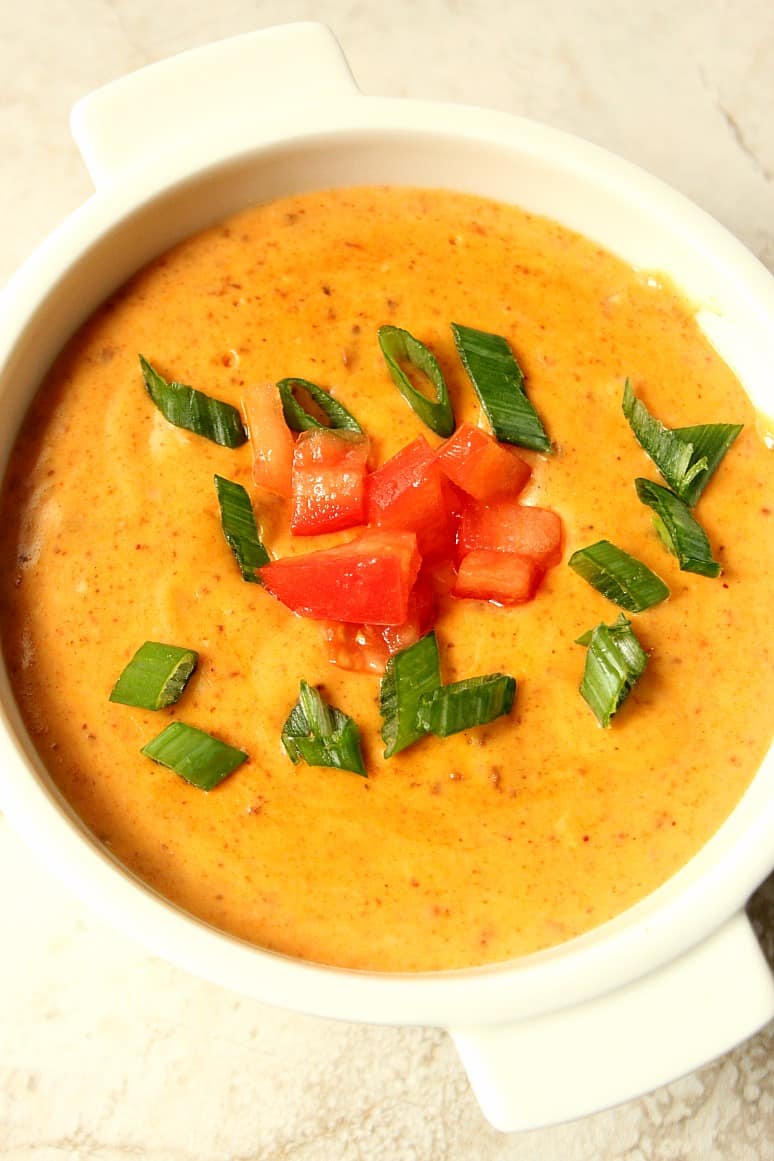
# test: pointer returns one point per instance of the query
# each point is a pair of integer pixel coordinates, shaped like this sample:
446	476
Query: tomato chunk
474	461
328	481
367	580
367	648
407	492
420	617
270	438
504	577
358	648
507	526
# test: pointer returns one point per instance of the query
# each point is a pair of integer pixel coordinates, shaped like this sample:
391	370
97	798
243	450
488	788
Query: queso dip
494	842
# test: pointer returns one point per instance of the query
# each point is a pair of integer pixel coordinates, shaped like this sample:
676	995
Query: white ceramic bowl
674	981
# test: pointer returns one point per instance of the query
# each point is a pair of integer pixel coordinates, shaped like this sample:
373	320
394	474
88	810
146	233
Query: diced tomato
456	500
419	619
270	437
359	648
367	580
367	648
504	577
394	479
474	461
508	526
328	481
407	492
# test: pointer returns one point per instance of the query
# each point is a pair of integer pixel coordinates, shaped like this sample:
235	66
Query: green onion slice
687	457
196	756
499	384
409	675
186	407
239	527
299	419
618	576
681	533
615	660
710	442
398	344
321	735
465	704
155	677
672	455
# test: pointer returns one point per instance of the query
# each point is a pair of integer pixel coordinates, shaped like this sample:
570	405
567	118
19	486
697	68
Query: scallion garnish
465	704
195	755
618	576
299	419
239	527
409	675
614	662
397	344
681	533
710	442
499	384
321	735
686	456
155	677
186	407
672	455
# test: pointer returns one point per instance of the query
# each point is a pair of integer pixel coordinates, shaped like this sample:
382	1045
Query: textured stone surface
109	1053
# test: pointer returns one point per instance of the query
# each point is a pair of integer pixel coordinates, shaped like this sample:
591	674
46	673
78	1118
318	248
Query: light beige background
107	1053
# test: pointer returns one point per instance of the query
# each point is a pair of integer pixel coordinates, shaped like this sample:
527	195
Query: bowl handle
132	118
615	1047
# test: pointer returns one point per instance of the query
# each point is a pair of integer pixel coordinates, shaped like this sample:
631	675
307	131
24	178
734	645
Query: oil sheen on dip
487	845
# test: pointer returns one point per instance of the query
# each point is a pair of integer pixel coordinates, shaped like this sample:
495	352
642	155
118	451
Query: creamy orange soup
489	844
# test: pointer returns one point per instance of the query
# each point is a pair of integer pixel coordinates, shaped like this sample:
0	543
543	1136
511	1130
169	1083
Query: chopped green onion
409	675
465	704
687	457
682	534
614	662
499	384
155	677
239	527
398	344
299	419
710	442
618	576
321	735
196	756
186	407
673	456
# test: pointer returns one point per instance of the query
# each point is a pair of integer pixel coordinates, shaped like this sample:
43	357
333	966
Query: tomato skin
479	465
508	526
407	492
503	577
328	481
270	438
367	580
